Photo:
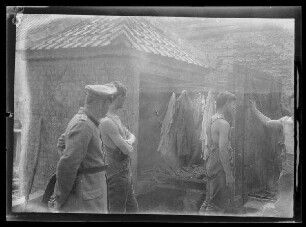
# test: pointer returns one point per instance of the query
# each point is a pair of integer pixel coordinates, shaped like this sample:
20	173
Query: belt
124	171
92	170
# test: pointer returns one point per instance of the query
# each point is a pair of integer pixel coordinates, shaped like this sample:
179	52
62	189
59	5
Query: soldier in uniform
80	175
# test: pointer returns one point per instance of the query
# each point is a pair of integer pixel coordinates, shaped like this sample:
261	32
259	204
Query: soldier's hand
52	204
252	104
130	142
60	152
230	180
131	148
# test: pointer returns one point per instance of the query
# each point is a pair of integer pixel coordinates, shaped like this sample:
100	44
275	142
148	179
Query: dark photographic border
293	12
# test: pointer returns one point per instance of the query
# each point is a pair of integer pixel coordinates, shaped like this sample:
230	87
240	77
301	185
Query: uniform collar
82	110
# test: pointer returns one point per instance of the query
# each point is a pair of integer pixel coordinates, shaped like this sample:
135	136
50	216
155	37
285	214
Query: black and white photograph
158	115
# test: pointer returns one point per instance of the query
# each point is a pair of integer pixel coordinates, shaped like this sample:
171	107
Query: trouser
217	195
121	197
284	203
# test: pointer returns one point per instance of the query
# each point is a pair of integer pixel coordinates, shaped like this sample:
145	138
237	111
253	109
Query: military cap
105	90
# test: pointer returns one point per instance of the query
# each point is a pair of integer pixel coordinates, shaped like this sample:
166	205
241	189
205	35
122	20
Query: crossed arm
131	138
110	130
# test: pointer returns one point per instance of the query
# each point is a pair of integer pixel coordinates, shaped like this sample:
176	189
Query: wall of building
56	92
257	152
153	102
152	105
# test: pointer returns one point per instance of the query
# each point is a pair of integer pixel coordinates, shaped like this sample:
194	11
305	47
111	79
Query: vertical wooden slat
243	130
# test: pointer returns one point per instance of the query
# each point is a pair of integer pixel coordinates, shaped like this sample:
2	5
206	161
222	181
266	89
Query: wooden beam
157	85
176	89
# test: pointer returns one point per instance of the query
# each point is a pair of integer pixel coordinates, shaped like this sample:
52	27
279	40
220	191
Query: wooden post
245	97
232	88
36	157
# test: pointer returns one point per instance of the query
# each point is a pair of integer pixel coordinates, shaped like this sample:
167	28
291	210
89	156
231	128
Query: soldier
80	174
118	144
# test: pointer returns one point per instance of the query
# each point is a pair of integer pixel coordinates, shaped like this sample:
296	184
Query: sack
47	197
49	190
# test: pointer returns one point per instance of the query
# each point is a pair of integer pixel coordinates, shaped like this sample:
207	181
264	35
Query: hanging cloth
185	134
197	154
164	143
203	103
201	110
197	109
208	112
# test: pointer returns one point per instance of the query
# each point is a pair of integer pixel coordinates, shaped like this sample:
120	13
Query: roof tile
99	31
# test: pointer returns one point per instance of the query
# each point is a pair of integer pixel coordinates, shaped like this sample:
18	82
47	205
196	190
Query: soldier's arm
111	130
274	123
267	121
68	165
264	119
224	129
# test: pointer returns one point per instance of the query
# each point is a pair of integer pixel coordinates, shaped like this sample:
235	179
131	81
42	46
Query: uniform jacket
86	192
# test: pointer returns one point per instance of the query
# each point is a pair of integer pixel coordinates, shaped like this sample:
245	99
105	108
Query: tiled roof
35	27
31	22
99	31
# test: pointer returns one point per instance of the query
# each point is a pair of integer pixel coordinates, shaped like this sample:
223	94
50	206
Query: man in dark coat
80	175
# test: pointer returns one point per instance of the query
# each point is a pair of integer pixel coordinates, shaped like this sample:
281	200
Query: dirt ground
163	205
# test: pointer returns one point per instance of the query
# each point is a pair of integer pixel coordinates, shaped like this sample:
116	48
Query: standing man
218	164
118	144
80	174
284	204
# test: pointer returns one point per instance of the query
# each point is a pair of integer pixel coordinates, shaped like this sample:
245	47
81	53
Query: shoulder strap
85	117
93	121
217	118
210	142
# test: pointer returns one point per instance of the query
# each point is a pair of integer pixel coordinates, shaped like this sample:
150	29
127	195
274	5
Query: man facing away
284	204
80	173
118	145
218	163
